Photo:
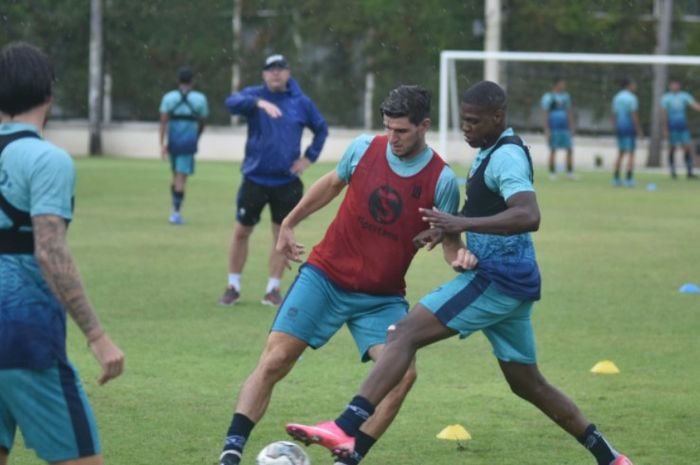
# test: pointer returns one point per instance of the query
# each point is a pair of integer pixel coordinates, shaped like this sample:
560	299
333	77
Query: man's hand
465	261
287	245
300	164
164	152
430	238
448	223
111	358
272	110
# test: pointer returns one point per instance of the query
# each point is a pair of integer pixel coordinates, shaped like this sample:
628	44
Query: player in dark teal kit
675	124
40	392
493	293
183	112
625	107
558	126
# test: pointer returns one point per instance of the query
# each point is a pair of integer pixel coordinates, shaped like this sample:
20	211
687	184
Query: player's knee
242	233
403	334
275	365
529	388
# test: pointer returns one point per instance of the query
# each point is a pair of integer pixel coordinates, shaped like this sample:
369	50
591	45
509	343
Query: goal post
449	98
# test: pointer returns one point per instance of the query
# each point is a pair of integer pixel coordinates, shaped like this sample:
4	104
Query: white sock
272	283
234	279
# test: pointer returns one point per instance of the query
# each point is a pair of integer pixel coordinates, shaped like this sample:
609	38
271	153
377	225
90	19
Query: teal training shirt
184	132
446	191
39	178
623	105
507	173
557	105
675	104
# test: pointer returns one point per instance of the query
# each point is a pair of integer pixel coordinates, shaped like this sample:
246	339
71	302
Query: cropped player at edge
40	391
356	275
495	297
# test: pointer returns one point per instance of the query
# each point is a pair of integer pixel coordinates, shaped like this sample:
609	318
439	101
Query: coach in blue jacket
277	113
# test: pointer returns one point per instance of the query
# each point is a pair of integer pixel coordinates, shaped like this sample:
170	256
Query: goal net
592	81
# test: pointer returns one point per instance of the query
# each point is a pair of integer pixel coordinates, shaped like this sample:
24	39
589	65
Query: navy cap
275	61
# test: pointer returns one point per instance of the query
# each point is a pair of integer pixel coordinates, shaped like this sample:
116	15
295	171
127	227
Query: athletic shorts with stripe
51	410
314	309
470	303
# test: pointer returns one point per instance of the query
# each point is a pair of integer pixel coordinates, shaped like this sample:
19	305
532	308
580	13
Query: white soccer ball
282	453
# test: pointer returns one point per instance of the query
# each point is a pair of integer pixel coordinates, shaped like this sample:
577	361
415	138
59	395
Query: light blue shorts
626	143
52	411
560	139
470	303
314	309
679	137
182	163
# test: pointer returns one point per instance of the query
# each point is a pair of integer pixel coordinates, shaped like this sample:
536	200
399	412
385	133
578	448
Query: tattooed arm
61	273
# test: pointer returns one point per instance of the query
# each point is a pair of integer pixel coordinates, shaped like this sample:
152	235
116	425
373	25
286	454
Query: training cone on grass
605	367
689	288
455	432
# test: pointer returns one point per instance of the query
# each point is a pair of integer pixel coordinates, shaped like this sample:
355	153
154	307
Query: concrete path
140	140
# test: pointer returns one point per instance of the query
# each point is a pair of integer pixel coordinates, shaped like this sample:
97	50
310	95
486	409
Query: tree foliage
331	45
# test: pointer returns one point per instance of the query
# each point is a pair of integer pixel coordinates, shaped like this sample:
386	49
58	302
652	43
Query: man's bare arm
61	274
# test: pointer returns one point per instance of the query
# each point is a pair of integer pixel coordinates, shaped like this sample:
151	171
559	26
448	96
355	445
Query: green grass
612	261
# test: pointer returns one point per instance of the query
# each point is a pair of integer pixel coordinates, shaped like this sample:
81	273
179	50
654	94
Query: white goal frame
448	79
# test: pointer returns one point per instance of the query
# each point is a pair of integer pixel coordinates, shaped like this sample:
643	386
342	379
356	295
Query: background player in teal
625	108
494	291
316	306
182	115
40	392
675	124
558	126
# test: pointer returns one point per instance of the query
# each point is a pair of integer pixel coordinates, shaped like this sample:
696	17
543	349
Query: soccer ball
282	453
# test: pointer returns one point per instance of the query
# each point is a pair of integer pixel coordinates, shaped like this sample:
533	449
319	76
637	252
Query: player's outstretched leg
416	330
527	382
276	361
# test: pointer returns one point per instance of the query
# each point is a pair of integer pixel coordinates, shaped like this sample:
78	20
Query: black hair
410	101
626	81
486	94
557	80
26	78
185	75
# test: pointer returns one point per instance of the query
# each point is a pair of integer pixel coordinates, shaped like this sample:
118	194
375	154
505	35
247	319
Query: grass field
612	262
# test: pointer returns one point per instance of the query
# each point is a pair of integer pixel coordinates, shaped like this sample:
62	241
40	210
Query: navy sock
178	198
598	446
629	175
238	432
363	443
358	411
688	163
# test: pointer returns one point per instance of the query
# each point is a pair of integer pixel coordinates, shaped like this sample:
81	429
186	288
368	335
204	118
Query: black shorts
252	198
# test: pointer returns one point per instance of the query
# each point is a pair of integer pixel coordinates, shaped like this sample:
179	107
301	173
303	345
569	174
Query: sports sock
272	283
688	163
238	432
357	412
616	174
178	198
672	160
363	443
629	175
234	279
598	445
